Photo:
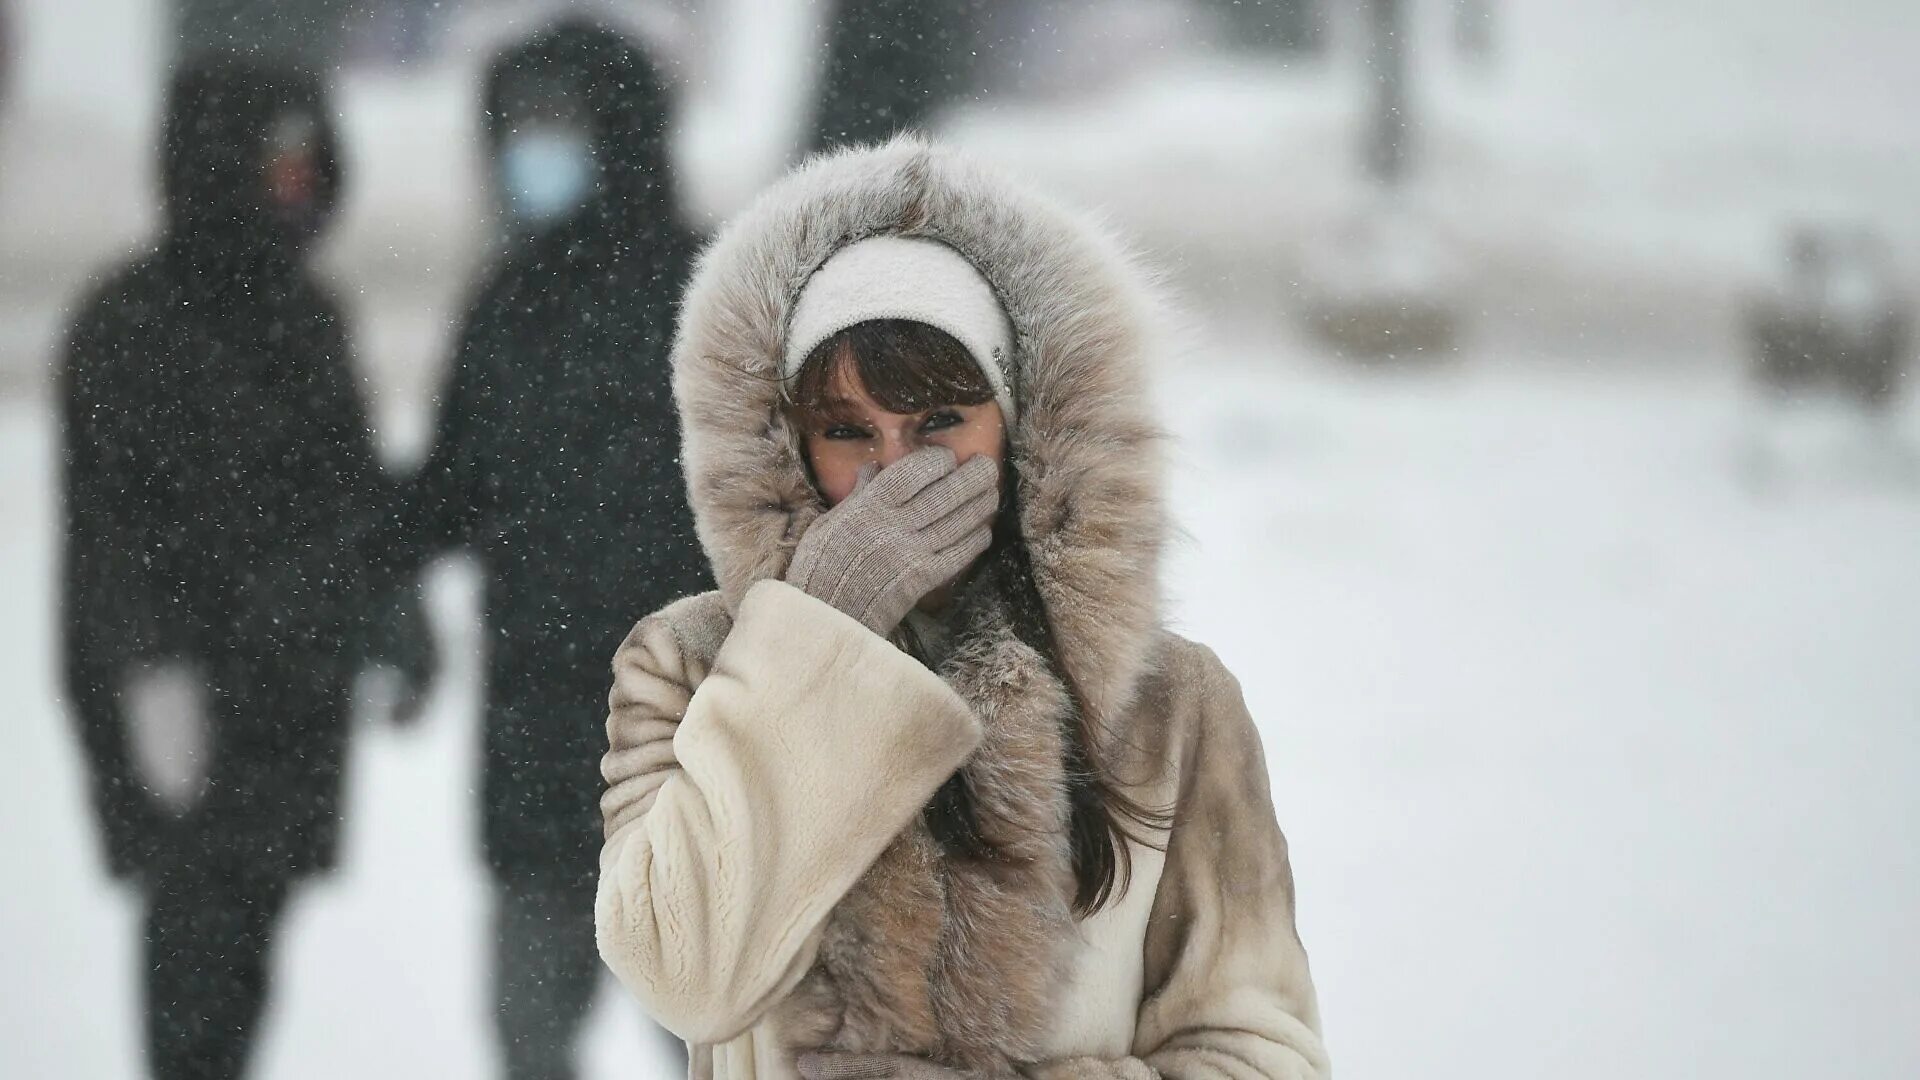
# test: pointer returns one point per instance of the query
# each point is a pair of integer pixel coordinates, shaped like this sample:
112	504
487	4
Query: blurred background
1548	458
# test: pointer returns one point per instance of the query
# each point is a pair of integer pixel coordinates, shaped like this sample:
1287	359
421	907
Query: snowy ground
1595	761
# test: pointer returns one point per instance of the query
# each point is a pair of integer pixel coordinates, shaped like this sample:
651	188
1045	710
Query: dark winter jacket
556	455
890	65
222	500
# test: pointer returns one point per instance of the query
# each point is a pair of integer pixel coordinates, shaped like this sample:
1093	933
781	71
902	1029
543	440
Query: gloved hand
401	639
905	531
834	1065
168	707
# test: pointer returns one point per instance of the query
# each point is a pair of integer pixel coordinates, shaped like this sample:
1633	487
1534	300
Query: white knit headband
911	278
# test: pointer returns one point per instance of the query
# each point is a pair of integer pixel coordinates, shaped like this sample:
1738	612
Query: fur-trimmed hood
1085	318
772	883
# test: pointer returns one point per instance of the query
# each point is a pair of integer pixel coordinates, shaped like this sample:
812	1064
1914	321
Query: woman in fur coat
926	790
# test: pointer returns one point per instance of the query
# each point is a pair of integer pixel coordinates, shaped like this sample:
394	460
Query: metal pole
1387	151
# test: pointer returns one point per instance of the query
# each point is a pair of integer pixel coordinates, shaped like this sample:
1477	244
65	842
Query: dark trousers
219	877
546	968
209	934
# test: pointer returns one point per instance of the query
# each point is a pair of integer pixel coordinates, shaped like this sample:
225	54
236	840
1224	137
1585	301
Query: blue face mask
546	174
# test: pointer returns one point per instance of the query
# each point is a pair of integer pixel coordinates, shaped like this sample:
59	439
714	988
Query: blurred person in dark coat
556	461
225	527
892	64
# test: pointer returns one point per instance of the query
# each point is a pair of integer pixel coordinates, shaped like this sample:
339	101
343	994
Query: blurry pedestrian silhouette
225	522
556	460
890	65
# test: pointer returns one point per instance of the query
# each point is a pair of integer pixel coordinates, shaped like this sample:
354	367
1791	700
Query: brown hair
907	366
910	366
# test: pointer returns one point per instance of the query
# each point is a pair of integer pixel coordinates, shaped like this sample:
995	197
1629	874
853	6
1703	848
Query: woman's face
852	429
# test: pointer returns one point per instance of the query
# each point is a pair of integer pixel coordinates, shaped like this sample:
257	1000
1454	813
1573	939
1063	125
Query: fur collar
951	957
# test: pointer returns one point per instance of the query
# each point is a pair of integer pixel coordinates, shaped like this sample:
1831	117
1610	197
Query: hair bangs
906	366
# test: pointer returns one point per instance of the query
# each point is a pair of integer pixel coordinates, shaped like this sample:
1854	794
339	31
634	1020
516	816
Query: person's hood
1085	318
628	110
220	112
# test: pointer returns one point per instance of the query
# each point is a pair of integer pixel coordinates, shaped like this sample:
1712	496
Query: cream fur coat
767	886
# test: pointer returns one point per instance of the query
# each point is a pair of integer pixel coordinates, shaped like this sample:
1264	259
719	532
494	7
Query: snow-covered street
1594	764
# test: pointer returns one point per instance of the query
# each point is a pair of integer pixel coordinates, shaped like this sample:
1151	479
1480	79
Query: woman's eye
941	420
844	431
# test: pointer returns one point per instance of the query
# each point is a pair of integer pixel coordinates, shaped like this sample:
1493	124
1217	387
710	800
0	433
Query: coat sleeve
94	501
363	522
106	620
345	423
390	621
108	464
743	802
1227	992
300	564
446	498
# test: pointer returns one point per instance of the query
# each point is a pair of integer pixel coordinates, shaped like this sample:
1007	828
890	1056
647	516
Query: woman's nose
894	446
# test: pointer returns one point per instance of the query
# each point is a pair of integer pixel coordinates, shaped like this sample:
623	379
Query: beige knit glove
905	531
